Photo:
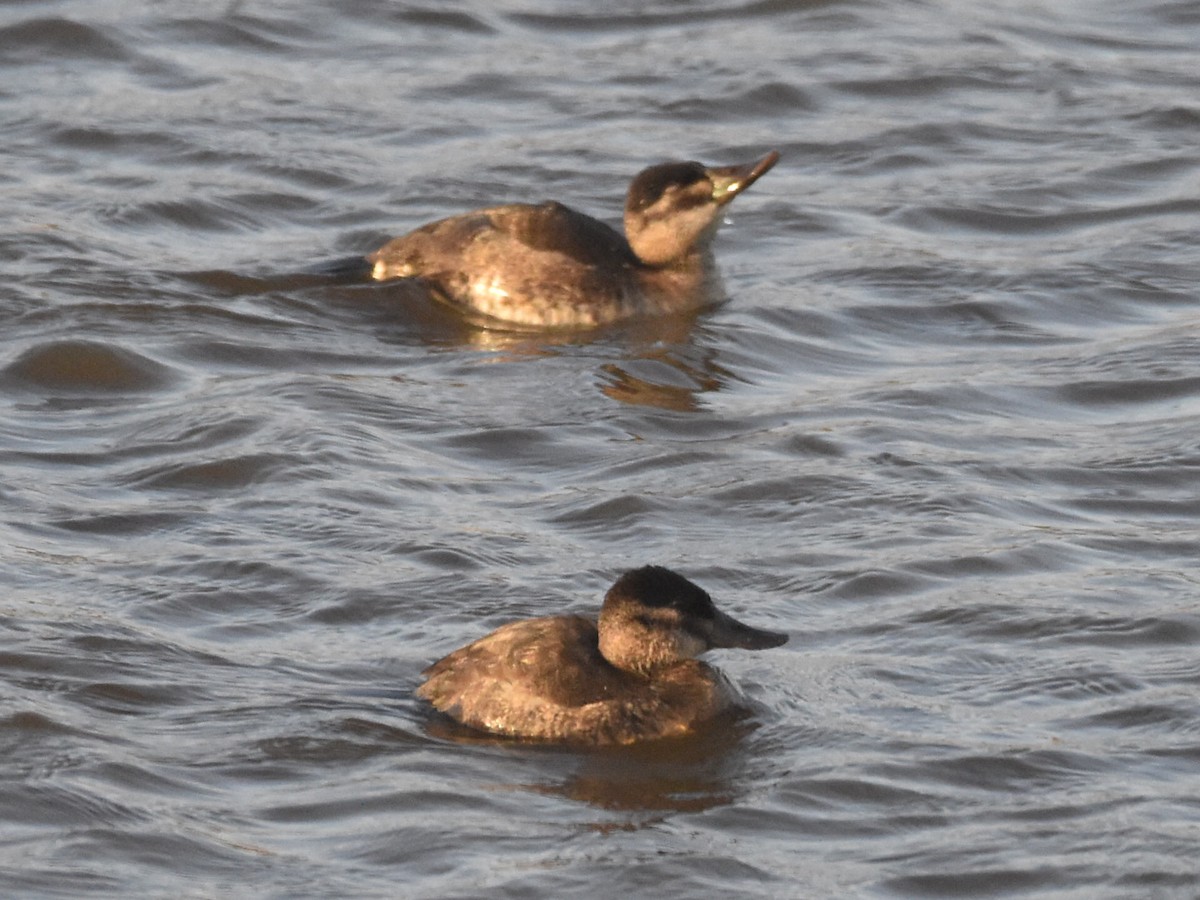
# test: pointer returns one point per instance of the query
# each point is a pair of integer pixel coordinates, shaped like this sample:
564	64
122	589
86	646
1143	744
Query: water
944	433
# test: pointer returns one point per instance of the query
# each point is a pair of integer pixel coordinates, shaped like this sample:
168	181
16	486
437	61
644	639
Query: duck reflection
662	362
643	783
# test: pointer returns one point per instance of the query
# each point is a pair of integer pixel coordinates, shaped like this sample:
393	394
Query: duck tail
349	268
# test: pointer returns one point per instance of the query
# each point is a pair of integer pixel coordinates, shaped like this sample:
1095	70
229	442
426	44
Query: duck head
672	210
653	617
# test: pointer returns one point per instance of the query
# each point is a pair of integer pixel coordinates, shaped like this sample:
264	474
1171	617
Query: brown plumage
630	677
547	265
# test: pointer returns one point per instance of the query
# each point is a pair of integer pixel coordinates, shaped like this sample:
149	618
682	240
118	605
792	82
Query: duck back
546	679
523	264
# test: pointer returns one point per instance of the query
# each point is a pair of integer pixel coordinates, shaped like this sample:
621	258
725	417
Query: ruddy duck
633	677
539	266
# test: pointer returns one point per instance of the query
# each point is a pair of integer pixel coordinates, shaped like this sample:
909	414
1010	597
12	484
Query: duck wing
517	678
542	265
520	228
553	228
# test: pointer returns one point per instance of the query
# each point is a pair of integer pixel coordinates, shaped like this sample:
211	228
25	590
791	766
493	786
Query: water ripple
943	433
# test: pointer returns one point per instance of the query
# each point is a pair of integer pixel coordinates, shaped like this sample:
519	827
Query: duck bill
729	632
730	181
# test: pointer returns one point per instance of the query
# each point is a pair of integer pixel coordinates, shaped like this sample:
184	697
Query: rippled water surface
946	433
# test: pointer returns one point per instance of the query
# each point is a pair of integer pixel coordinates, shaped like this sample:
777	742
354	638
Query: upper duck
546	265
631	676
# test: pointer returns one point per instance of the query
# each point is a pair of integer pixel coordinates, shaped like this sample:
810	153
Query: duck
538	266
630	675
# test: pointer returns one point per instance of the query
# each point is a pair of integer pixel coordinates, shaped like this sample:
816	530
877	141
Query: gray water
945	432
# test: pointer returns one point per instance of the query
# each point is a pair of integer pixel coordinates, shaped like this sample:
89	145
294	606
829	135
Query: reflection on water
666	377
685	775
645	782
